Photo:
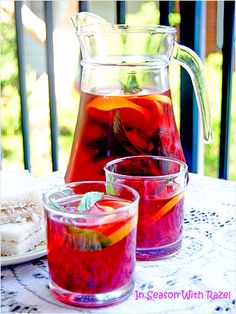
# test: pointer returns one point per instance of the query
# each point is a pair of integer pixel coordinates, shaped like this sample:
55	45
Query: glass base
161	252
91	300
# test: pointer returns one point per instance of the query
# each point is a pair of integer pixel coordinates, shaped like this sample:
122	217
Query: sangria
112	125
161	184
91	240
125	105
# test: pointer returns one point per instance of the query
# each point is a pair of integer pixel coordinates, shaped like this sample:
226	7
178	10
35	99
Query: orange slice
110	205
103	109
113	102
159	98
167	207
91	239
123	231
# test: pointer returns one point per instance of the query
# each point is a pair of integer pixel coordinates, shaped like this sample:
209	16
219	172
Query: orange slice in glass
166	208
123	231
89	239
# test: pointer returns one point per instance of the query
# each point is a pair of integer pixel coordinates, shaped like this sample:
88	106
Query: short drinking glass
91	242
161	183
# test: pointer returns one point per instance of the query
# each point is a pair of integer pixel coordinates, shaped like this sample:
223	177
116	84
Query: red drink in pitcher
110	126
125	107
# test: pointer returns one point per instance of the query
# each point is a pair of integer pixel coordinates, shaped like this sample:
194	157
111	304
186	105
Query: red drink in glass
111	126
91	255
161	183
164	218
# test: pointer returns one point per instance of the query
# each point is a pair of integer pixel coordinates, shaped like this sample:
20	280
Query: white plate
39	251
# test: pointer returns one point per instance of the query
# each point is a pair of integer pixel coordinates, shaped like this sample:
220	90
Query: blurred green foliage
9	79
10	117
148	14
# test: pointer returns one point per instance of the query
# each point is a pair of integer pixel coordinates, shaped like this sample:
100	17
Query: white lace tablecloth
200	278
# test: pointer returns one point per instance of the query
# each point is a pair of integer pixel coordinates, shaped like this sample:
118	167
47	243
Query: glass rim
153	64
143	177
57	211
153	29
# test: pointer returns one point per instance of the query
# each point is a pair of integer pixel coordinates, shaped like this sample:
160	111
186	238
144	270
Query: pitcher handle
193	64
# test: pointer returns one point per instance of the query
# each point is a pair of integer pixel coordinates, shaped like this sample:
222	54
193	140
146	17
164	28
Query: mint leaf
86	239
132	85
122	136
132	82
88	200
54	204
110	190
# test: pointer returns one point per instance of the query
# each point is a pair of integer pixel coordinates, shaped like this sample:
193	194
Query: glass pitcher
125	105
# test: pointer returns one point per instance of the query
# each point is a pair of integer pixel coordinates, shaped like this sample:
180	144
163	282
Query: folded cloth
22	222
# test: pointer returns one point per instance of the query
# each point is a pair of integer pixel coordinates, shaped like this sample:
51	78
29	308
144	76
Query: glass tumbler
161	183
91	242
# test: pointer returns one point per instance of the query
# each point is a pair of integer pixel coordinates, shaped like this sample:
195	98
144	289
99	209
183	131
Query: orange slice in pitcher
104	109
159	98
154	105
113	102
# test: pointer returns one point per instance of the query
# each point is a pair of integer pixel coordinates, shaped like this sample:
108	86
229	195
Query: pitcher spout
116	44
83	20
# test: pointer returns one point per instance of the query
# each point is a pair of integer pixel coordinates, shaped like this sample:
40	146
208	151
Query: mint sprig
123	138
85	239
132	85
109	188
88	200
54	204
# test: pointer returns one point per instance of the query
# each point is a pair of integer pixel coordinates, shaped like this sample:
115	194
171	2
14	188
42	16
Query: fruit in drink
164	218
161	211
93	254
110	127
